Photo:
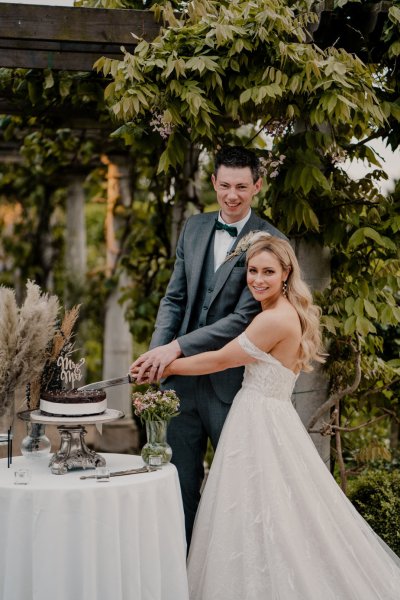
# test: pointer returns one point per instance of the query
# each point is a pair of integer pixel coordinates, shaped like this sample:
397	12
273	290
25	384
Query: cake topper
70	371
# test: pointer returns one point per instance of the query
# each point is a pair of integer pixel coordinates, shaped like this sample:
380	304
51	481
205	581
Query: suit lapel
252	224
225	269
201	243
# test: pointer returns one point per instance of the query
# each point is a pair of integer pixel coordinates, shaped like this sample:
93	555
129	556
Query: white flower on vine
159	125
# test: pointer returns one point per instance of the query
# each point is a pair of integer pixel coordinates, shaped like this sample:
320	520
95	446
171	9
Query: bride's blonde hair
297	293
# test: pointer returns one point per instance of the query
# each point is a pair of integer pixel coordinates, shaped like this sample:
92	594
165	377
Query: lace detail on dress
267	375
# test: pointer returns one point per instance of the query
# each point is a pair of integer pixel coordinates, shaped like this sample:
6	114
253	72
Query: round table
68	538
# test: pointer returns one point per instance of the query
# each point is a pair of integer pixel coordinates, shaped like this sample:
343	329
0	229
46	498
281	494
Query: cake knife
99	385
146	469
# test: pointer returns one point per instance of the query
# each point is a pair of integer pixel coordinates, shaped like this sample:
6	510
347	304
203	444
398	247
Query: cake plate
73	452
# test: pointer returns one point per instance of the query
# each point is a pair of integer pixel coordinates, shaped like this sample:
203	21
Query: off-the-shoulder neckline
270	355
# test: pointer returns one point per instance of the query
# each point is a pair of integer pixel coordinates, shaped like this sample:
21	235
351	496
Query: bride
272	523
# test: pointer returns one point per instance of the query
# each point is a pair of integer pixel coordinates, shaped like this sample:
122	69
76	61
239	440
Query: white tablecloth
63	538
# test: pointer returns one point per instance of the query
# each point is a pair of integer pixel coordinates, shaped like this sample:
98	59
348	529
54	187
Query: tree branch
337	396
339	451
381	132
330	429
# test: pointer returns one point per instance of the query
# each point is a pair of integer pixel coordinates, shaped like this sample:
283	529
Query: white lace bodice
267	375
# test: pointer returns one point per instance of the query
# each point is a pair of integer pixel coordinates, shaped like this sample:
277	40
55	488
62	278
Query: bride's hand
150	366
145	378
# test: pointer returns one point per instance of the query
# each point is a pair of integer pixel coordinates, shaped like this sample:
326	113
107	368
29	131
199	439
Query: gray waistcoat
205	289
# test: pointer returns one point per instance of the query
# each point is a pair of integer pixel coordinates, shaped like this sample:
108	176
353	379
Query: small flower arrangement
245	243
155	405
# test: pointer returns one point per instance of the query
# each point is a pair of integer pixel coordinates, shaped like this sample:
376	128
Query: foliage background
223	72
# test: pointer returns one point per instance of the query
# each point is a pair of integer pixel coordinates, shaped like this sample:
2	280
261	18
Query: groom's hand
149	367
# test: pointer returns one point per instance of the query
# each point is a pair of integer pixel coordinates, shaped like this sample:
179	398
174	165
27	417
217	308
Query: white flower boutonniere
245	243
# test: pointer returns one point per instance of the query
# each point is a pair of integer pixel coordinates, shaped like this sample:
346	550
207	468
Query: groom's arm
172	306
215	335
151	364
164	348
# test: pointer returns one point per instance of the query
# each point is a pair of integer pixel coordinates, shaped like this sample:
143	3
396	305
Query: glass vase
36	444
157	451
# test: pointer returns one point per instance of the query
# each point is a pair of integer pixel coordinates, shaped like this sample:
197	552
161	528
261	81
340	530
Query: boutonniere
244	244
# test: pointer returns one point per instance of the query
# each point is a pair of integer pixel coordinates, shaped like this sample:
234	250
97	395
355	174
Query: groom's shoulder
272	230
263	225
201	219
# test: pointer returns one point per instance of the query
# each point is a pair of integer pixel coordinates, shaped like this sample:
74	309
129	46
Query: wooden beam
68	38
72	38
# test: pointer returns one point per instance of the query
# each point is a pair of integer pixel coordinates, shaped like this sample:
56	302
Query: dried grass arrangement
25	335
61	345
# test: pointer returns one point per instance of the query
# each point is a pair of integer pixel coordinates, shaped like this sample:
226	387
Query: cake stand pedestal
73	452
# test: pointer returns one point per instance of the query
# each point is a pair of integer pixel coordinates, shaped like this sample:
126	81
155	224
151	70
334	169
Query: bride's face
265	276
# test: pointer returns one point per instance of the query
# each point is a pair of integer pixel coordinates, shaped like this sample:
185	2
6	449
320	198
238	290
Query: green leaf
394	14
245	96
363	289
349	305
164	162
358	307
349	325
48	80
389	315
330	323
364	326
359	236
370	309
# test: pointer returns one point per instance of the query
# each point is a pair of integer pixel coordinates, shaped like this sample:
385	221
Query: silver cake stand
73	452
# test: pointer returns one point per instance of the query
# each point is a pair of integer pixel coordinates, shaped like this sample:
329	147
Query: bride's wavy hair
298	294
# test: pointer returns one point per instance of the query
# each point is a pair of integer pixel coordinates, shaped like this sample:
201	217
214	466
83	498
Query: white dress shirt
223	241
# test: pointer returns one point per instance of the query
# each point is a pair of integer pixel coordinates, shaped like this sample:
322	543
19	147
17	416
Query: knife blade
99	385
146	469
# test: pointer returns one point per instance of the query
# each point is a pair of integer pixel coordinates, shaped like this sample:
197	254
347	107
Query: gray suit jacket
229	310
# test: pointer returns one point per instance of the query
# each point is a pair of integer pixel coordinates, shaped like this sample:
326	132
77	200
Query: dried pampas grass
8	342
25	337
64	334
62	344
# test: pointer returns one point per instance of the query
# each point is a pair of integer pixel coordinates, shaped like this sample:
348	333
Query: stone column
120	436
311	388
75	239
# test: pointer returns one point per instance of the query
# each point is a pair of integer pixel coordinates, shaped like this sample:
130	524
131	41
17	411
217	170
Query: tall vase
157	451
6	423
36	444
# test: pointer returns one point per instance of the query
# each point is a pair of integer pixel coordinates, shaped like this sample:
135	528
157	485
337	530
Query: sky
356	169
390	162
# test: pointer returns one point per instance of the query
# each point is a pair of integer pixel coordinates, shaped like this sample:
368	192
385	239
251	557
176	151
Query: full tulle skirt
273	524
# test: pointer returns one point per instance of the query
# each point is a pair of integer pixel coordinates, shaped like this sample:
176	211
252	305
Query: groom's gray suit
203	310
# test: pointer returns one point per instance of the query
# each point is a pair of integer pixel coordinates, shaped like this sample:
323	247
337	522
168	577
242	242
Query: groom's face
235	190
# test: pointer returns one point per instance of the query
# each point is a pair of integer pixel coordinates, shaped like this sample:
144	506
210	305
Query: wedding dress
272	522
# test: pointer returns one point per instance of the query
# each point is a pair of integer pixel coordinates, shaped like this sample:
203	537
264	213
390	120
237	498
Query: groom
206	305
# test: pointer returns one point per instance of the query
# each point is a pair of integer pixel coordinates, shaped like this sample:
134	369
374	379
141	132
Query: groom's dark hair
237	157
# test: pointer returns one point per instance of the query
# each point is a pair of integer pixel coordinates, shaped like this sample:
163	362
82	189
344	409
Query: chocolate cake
73	403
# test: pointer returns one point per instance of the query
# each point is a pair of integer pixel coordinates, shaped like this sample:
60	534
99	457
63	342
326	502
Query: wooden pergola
68	38
72	39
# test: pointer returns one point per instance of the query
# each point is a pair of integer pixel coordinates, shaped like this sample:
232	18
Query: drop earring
284	288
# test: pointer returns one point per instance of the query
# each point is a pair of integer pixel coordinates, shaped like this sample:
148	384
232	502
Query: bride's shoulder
273	326
282	317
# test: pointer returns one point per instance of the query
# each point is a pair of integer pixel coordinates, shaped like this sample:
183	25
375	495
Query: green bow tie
231	230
